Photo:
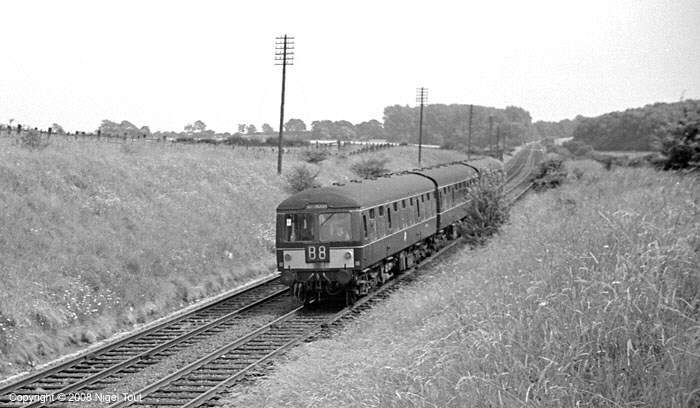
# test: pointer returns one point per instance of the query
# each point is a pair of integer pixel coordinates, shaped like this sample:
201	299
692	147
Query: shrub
488	211
549	175
314	155
301	178
578	173
32	140
682	144
578	148
370	168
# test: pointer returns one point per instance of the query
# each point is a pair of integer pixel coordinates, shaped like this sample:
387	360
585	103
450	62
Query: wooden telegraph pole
490	139
284	55
469	137
422	98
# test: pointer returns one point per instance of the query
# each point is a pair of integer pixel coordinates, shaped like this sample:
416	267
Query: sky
168	63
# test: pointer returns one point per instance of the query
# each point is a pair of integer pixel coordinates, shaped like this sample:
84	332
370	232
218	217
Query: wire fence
333	147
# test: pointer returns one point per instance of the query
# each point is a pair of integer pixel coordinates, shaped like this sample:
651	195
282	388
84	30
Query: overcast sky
167	63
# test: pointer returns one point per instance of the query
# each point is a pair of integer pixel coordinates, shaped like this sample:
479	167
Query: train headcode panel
317	253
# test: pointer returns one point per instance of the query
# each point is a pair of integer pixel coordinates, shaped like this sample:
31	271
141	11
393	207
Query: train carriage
353	236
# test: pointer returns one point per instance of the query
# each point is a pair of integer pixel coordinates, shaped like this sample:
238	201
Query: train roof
449	173
385	189
360	193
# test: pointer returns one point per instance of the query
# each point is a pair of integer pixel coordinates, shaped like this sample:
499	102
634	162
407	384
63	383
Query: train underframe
318	285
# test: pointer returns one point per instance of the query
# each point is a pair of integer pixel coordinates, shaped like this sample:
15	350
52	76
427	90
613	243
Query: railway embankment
98	237
588	297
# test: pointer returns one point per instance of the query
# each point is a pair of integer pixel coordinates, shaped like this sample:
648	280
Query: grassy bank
96	237
588	297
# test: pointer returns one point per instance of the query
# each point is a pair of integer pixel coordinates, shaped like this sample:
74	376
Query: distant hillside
632	129
555	130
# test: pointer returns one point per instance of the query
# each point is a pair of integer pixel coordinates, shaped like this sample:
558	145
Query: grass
96	237
589	297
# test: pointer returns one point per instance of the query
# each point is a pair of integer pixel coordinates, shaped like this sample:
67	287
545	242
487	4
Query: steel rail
153	351
168	386
200	313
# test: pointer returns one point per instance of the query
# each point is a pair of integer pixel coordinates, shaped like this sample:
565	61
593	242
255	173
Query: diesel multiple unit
351	237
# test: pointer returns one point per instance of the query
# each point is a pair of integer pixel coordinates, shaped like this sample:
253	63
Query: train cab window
334	227
364	223
428	196
381	211
371	214
299	227
388	216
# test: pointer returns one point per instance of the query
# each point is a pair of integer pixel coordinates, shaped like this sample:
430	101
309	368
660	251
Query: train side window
410	200
364	223
396	206
371	214
428	195
388	216
403	203
422	198
381	211
418	208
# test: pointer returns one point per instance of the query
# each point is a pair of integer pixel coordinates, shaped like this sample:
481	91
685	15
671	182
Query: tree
57	129
371	129
241	128
195	128
251	129
295	125
681	145
266	128
321	129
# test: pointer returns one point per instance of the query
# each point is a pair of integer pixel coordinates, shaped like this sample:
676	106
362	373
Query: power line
422	98
284	55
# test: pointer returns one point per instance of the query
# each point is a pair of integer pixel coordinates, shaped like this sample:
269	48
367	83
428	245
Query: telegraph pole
498	142
469	139
422	98
284	55
490	133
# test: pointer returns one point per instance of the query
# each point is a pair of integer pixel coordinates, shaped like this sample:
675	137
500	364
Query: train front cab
317	249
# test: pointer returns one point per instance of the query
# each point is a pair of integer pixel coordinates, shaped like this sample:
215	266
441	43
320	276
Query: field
97	237
589	297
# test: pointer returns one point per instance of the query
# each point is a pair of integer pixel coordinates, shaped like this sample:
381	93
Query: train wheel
350	297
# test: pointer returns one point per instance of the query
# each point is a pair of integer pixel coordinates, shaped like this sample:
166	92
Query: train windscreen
334	227
299	227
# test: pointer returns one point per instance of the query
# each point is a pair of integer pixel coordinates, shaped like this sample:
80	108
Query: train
349	238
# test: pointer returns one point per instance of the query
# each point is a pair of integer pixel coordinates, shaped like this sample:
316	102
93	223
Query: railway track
203	380
207	376
115	360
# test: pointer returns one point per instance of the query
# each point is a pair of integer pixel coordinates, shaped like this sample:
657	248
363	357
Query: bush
578	148
302	178
370	168
32	140
314	155
549	175
488	211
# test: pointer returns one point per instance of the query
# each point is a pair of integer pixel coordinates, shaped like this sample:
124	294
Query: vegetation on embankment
589	297
96	236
